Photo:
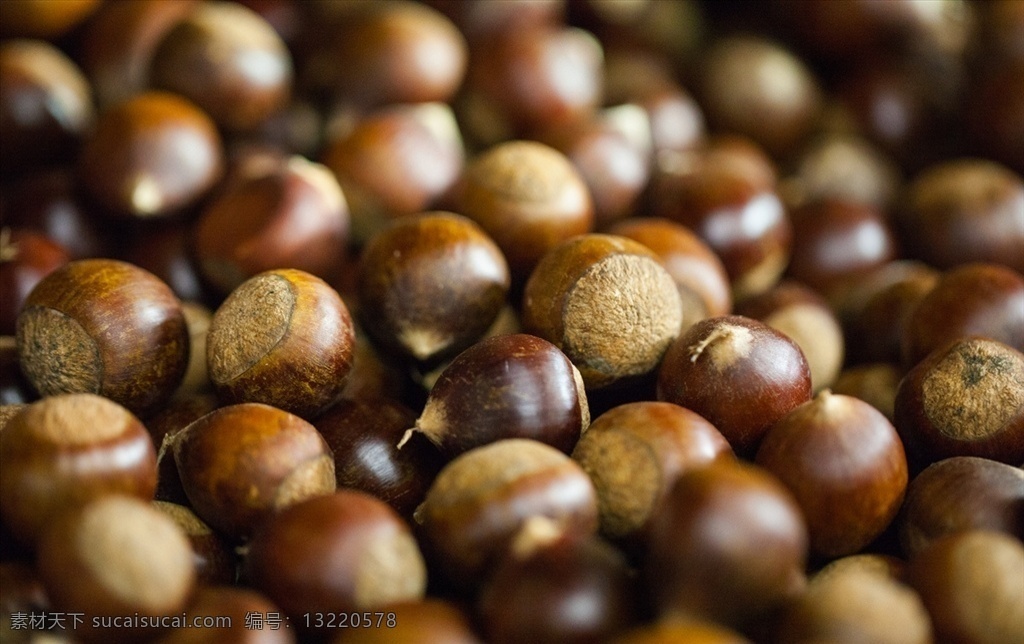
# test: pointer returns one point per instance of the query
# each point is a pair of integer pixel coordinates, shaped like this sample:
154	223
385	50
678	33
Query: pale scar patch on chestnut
248	325
725	346
63	424
57	353
974	390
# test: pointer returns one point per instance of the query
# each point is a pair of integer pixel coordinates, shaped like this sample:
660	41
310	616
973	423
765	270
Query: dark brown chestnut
364	435
738	373
152	155
697	568
344	552
242	463
106	327
845	465
634	452
969	300
26	257
964	399
275	213
508	386
606	301
284	338
66	450
482	498
430	285
961	493
226	59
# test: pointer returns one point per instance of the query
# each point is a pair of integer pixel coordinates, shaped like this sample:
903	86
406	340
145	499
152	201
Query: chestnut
45	104
698	272
481	499
965	399
213	559
634	452
236	606
738	373
107	327
179	412
279	213
342	552
166	250
152	155
65	450
962	211
607	302
758	88
844	167
961	493
803	315
409	297
46	18
228	60
698	569
534	592
395	161
364	435
528	197
395	52
26	257
845	465
114	557
874	383
970	583
241	463
508	386
284	338
429	621
856	605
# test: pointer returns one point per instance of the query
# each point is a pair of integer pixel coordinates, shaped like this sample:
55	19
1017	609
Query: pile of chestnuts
509	321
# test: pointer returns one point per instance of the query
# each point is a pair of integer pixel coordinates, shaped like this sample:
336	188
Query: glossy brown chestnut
430	285
212	605
284	338
278	213
964	399
703	283
429	621
800	313
727	196
961	493
152	155
106	327
115	557
969	300
45	104
118	42
364	434
342	552
396	52
835	241
509	386
481	499
535	590
845	465
212	557
856	605
66	450
970	584
226	59
179	412
530	79
395	161
26	257
739	374
962	211
242	463
528	197
697	570
757	88
634	452
607	302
